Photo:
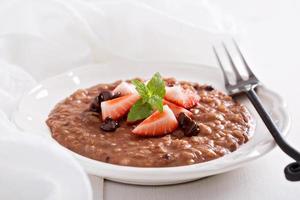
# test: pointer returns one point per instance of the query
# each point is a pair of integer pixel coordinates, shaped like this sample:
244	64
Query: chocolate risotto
224	125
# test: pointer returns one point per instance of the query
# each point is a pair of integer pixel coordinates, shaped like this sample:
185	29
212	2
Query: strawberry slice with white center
125	88
182	97
118	107
157	124
177	109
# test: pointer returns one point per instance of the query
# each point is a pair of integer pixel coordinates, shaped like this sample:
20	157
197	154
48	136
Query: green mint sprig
151	99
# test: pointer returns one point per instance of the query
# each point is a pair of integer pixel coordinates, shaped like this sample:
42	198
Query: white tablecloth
46	37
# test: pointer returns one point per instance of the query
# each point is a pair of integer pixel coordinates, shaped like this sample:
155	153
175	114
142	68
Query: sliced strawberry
125	88
118	107
176	109
182	97
159	123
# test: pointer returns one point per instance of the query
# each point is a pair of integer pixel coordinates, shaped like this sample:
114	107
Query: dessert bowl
37	104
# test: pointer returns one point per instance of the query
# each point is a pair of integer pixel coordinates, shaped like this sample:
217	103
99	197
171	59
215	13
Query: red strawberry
159	123
118	107
125	88
177	109
182	97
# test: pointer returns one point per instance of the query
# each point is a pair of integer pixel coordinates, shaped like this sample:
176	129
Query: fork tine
226	79
243	59
235	70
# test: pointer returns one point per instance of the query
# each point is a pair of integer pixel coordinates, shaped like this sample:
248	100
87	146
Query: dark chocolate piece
187	125
109	125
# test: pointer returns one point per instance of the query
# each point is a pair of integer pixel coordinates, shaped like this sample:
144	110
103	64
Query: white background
45	38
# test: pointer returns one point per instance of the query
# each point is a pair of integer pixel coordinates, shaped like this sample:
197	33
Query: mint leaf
142	89
152	96
139	110
156	86
156	102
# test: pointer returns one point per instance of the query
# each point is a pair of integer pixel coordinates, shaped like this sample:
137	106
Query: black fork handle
292	171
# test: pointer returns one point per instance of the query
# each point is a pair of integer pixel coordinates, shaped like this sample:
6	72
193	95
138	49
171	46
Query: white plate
36	105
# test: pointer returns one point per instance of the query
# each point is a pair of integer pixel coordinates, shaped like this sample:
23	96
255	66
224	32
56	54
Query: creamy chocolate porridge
217	125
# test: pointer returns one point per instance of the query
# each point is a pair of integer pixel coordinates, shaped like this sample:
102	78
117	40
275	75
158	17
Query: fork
247	87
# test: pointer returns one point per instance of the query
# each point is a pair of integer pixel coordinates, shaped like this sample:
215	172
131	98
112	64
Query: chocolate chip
116	95
109	125
209	88
187	125
107	159
167	156
170	84
105	95
95	106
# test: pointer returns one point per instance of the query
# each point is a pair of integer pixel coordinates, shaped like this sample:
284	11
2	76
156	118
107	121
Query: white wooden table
273	50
